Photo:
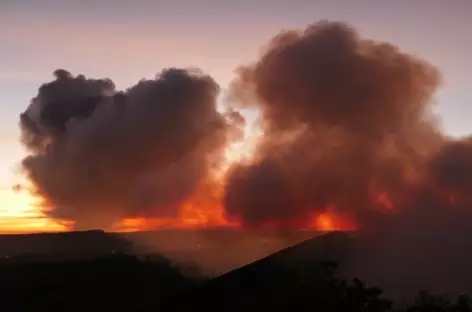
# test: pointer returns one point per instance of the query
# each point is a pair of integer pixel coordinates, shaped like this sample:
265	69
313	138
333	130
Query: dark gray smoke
344	119
98	154
348	127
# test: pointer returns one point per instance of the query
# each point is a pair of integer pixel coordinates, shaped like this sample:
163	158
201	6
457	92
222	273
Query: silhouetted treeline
356	296
127	283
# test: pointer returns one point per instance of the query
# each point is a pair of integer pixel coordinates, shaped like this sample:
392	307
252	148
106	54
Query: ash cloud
344	118
98	154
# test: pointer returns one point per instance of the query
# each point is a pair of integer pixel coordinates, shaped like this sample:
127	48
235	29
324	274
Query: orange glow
203	210
329	221
325	222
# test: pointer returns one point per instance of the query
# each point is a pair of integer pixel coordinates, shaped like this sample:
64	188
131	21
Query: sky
129	40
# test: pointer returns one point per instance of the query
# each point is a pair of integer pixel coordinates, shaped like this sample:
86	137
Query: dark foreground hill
279	281
115	283
82	271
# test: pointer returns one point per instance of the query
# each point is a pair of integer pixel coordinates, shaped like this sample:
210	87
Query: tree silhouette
427	302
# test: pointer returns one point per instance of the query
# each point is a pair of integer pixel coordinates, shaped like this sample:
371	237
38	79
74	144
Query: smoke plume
98	155
347	128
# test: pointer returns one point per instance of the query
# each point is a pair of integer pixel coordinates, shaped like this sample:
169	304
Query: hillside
253	287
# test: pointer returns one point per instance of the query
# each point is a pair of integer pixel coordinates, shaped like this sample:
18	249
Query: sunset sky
128	40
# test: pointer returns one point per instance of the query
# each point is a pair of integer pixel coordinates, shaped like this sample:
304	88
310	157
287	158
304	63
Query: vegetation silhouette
427	302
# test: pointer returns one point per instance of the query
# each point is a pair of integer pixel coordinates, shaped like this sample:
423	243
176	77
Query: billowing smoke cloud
348	128
98	154
346	121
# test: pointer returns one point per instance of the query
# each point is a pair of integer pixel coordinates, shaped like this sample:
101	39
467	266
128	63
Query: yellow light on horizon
20	213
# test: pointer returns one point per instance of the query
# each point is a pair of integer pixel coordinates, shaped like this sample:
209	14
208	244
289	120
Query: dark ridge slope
252	287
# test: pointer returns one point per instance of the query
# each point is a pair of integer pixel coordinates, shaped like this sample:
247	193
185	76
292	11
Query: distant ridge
68	233
61	245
